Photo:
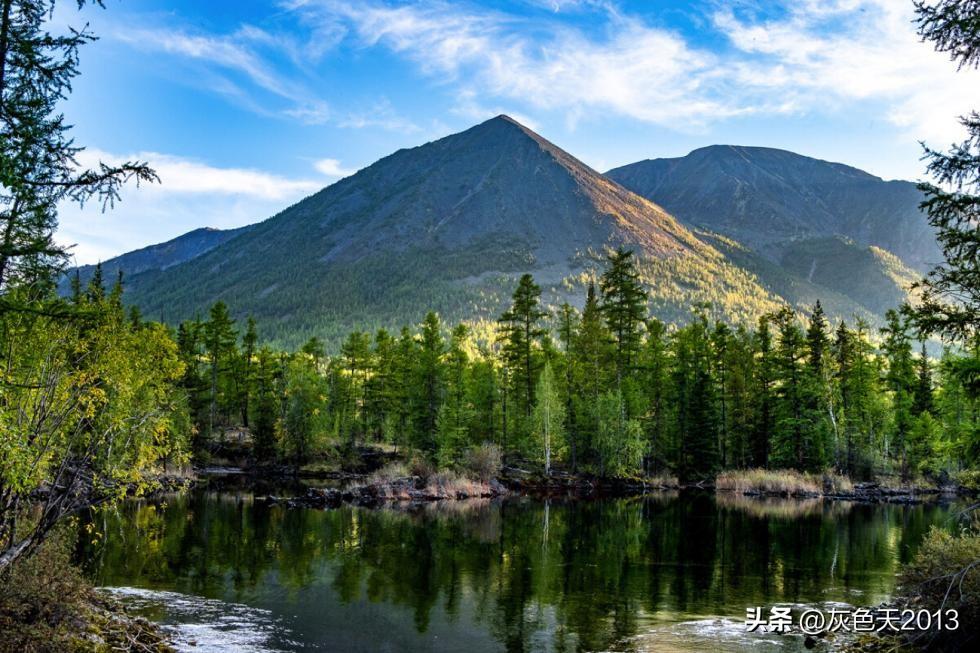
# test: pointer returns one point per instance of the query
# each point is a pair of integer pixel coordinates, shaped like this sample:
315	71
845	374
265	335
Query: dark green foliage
521	334
950	297
625	393
624	307
694	397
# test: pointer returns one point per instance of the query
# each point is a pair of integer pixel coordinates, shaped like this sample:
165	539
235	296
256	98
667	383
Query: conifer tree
455	413
950	296
591	356
923	393
356	356
790	440
568	326
624	307
38	157
694	389
900	380
430	382
763	385
521	331
265	406
656	369
220	339
249	341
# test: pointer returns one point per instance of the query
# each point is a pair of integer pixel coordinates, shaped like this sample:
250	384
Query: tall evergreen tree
900	380
790	440
923	394
696	420
624	307
245	382
950	297
220	339
764	388
430	380
521	331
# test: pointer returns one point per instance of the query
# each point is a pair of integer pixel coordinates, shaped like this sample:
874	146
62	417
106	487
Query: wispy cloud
181	175
382	115
834	53
819	56
190	194
632	69
240	53
332	168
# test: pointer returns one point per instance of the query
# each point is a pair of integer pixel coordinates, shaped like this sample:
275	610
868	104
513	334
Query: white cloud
190	194
819	56
332	168
182	175
381	115
239	52
833	54
635	70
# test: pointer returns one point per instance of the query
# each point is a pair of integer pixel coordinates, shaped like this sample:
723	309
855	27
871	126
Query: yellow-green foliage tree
88	408
87	405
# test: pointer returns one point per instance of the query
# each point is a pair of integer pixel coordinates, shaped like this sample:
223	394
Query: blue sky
245	107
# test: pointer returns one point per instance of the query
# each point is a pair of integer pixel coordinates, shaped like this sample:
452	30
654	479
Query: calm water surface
660	573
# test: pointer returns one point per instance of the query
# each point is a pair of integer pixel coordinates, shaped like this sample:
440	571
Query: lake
665	572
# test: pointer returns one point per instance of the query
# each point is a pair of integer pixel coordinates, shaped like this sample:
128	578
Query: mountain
767	198
162	256
448	226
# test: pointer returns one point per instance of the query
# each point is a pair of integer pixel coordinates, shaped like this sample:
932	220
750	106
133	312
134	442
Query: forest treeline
607	390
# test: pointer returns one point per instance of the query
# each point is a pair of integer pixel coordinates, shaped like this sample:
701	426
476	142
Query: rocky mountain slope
767	198
450	225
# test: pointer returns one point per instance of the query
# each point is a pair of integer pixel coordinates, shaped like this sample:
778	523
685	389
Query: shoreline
418	490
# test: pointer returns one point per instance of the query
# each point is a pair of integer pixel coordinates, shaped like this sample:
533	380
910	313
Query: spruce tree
923	393
624	307
695	395
429	382
521	331
763	384
900	380
249	340
790	440
950	296
220	339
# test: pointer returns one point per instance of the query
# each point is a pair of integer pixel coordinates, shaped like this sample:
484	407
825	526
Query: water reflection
519	575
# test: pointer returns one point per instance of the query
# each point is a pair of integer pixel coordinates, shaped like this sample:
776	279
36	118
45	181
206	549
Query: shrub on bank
483	462
945	574
968	479
46	605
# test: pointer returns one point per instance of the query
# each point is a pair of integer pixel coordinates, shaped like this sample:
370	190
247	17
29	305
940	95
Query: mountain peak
764	196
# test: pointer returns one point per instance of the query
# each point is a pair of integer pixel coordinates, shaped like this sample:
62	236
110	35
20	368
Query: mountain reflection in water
663	572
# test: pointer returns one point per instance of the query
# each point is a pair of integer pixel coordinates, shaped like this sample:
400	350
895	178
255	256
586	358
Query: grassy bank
46	605
782	482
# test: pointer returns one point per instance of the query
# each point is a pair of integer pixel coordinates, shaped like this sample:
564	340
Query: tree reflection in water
520	574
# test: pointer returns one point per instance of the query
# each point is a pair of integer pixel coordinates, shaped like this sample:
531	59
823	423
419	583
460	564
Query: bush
483	462
969	479
39	596
389	473
946	574
421	466
46	605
